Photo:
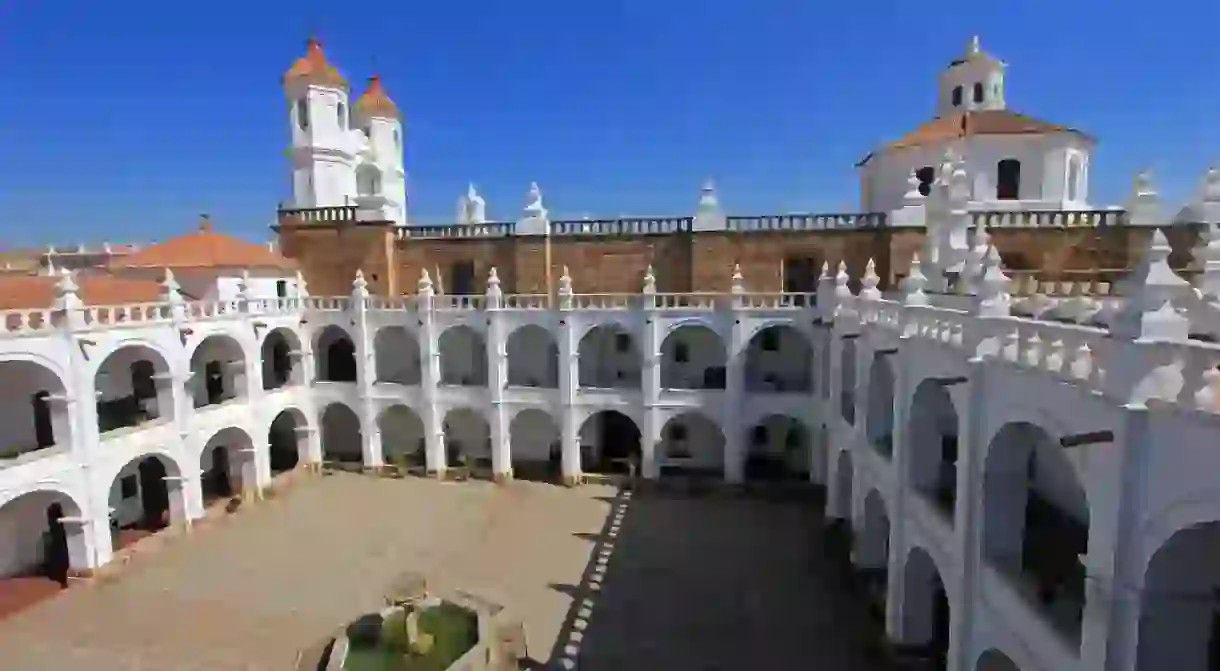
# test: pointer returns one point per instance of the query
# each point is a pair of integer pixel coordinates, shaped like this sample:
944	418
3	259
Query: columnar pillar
497	379
568	381
650	463
968	512
366	374
837	435
430	375
734	399
903	389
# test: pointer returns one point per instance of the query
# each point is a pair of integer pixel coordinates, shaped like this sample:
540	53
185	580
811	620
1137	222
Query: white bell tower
381	179
973	82
321	155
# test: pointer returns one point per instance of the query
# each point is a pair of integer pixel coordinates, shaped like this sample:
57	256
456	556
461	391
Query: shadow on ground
682	581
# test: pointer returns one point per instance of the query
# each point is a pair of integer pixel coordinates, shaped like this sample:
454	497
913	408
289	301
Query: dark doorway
44	429
926	175
940	626
800	276
283	444
620	443
56	560
281	364
143	389
281	289
461	277
216	483
341	361
1008	179
154	494
213	373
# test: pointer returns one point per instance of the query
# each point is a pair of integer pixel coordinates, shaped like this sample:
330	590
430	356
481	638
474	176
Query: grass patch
454	631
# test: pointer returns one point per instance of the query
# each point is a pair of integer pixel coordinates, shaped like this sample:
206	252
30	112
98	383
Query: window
681	353
622	342
800	275
44	430
1074	177
926	175
1008	179
341	113
461	277
978	93
128	487
281	289
303	114
396	140
957	96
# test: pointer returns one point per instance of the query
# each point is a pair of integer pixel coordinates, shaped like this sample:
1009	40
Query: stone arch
932	445
288	440
1036	520
342	438
844	479
880	420
609	442
368	180
396	356
847	379
281	359
609	358
32	400
693	356
38	540
146	495
335	355
691	441
925	606
1180	583
534	443
778	359
873	550
533	358
135	386
994	660
779	447
226	464
463	357
402	436
467	438
218	371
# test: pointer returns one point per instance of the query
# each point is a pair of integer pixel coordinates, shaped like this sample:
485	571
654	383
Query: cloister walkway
690	583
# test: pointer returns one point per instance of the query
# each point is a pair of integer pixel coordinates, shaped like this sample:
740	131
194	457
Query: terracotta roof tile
33	292
983	122
313	68
375	102
205	248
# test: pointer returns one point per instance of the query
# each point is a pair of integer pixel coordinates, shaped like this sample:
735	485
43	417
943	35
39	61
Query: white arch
533	357
396	355
533	436
467	434
463	353
286	451
342	433
609	356
402	435
693	356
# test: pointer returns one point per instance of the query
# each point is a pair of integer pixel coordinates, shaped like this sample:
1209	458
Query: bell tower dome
381	180
973	82
321	154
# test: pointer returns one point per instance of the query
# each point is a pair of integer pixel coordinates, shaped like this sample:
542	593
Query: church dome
375	102
313	68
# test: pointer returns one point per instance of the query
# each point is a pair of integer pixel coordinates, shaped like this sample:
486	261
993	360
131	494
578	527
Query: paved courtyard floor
603	580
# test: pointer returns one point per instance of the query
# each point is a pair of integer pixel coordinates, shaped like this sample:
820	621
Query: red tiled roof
32	292
205	248
313	68
982	122
375	102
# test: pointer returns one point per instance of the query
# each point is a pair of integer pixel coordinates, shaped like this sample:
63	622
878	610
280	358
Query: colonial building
1022	492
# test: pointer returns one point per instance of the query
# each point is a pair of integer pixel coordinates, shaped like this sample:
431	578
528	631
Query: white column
366	374
903	389
650	464
497	379
430	374
967	514
734	398
568	381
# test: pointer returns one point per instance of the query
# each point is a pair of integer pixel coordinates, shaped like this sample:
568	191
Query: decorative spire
171	291
869	282
842	291
738	285
313	68
708	202
913	284
66	289
1148	311
1143	208
424	286
565	283
360	288
1207	258
302	286
375	102
973	48
913	197
993	286
493	288
205	223
650	281
534	208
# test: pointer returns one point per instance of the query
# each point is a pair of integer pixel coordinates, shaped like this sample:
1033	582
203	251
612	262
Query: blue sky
124	120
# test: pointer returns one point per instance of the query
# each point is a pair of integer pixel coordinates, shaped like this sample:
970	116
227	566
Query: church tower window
303	114
957	96
978	93
396	141
926	175
342	114
1008	179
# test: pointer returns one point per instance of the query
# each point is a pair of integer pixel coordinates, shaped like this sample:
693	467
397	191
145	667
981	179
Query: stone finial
565	289
243	285
1207	258
708	216
913	197
302	285
493	282
51	270
424	286
1211	185
842	291
1207	207
650	281
994	299
975	263
869	282
360	288
66	291
1144	206
171	291
913	284
973	48
476	207
534	208
708	202
738	285
1147	311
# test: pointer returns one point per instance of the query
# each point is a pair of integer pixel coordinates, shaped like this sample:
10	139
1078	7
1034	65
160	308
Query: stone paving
699	584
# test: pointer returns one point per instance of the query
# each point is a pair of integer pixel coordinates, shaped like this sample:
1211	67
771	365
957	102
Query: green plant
394	634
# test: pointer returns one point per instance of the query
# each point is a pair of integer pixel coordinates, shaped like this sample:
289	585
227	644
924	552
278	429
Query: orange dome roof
375	102
313	68
205	248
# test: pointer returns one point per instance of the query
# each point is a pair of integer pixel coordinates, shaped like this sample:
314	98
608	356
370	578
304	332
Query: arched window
978	93
303	114
396	140
926	175
1073	177
342	114
368	181
1008	179
957	96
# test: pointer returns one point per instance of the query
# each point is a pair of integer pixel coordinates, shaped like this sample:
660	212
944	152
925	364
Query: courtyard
603	579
